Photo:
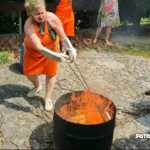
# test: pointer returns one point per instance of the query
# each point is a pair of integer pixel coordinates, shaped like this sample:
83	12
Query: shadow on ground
143	105
10	93
16	68
42	137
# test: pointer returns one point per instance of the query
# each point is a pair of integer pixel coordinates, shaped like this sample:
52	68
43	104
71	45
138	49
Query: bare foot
109	43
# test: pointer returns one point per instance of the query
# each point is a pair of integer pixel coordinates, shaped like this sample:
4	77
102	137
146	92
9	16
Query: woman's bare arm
30	33
56	25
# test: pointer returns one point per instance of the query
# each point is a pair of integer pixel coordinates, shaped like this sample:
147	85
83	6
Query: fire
87	108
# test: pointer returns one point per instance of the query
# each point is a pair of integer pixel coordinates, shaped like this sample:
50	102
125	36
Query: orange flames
87	108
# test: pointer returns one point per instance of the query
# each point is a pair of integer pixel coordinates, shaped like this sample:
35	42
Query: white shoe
34	91
48	105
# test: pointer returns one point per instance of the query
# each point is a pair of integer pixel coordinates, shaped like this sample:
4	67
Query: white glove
59	57
72	54
68	46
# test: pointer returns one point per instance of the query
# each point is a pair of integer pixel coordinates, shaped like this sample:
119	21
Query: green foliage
131	11
145	21
4	57
136	50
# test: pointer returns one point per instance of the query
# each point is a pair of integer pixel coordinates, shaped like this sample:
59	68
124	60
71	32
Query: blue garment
21	57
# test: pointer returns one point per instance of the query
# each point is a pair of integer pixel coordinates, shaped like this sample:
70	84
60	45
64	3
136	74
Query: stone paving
25	125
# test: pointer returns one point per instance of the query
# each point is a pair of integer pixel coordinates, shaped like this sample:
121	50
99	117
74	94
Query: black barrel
68	135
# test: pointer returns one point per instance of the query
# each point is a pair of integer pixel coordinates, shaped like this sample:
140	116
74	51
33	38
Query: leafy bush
4	57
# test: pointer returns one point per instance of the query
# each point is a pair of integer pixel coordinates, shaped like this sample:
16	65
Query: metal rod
85	86
77	76
98	107
82	77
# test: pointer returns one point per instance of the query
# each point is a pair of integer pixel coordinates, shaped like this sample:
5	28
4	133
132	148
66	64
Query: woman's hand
72	54
62	58
69	47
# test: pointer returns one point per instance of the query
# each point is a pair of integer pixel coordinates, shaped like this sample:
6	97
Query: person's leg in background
108	32
98	30
97	33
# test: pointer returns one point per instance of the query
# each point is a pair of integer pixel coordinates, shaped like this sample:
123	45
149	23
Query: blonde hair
30	5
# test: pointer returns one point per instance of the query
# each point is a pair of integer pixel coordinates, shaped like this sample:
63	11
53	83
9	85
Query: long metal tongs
85	85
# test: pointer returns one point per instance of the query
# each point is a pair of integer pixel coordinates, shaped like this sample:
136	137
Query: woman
108	17
65	13
41	48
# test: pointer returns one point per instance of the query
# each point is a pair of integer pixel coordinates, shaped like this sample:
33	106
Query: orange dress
34	62
65	13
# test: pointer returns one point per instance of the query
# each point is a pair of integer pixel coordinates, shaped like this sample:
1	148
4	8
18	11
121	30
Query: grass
4	57
145	21
136	50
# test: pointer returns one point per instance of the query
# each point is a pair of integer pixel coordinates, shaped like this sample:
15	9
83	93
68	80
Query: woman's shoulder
29	21
51	17
29	25
50	14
